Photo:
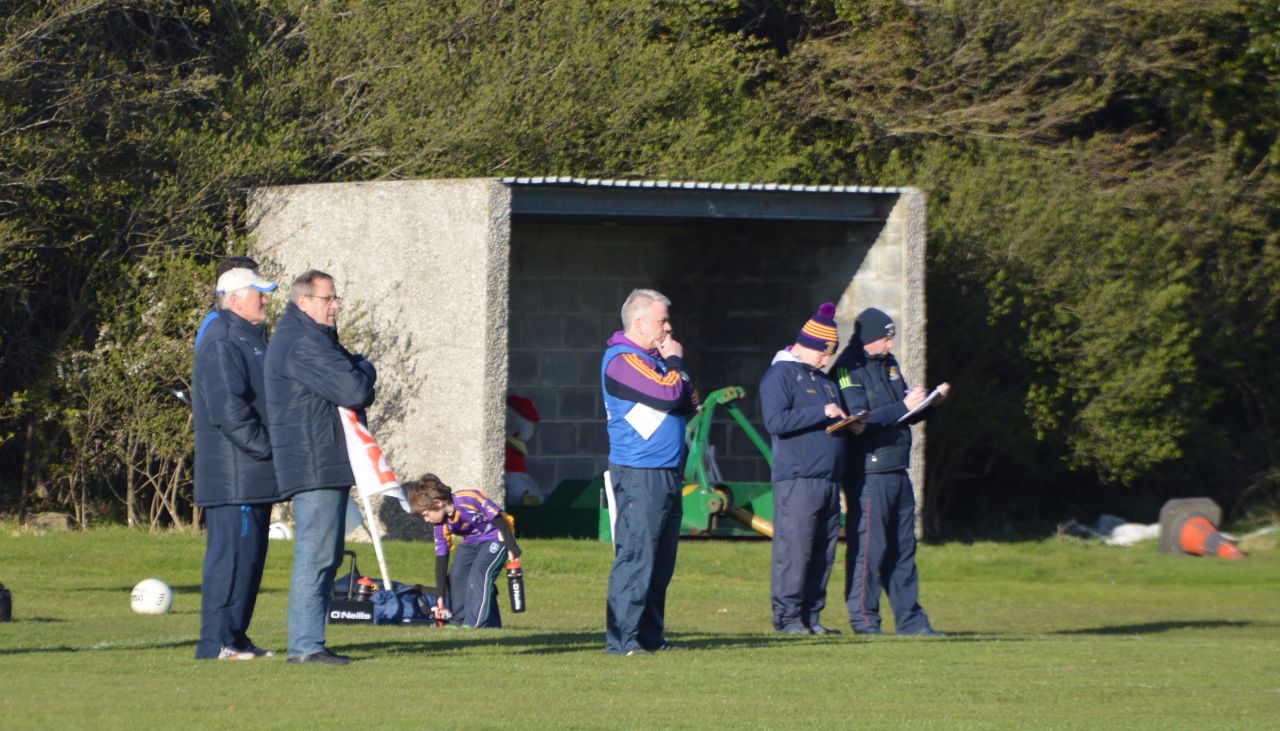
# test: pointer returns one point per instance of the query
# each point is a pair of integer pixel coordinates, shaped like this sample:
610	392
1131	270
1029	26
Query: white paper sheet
645	419
923	405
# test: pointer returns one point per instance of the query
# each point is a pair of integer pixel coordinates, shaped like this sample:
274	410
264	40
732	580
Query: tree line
1103	197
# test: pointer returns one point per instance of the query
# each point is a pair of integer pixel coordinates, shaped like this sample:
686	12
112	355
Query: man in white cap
226	265
235	481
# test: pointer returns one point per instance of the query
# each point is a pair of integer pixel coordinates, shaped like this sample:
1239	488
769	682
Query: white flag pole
613	511
373	475
377	541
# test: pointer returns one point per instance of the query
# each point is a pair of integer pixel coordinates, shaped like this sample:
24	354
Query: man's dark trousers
806	526
886	555
646	536
235	552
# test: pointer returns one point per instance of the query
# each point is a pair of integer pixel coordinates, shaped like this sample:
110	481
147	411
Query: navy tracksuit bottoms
884	558
235	552
806	525
645	538
473	598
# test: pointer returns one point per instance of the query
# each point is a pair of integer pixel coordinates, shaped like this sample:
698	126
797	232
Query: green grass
1045	635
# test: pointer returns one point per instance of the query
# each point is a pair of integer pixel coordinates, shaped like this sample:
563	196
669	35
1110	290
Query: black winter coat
876	383
309	375
233	449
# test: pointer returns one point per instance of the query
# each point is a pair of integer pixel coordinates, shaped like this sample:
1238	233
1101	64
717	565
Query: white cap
240	278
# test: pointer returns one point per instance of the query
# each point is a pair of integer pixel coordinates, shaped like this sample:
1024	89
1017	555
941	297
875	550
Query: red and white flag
373	474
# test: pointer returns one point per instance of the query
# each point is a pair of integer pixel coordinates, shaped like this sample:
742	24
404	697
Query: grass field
1046	634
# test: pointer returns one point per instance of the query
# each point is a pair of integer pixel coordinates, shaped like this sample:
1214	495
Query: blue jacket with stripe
875	383
233	449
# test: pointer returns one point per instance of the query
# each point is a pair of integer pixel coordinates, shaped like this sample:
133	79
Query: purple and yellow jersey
636	374
473	516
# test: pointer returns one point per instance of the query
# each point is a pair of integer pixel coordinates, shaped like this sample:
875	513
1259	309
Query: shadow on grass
43	620
551	643
575	642
178	589
108	648
1149	628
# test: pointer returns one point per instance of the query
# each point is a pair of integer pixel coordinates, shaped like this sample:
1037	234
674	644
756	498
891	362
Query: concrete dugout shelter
465	290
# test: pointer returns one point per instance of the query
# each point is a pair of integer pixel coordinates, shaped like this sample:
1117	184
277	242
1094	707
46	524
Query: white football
151	596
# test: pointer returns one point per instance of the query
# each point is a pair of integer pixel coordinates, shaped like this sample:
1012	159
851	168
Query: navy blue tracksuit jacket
807	465
882	555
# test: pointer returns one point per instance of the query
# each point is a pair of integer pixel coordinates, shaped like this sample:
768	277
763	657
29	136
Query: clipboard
933	395
858	417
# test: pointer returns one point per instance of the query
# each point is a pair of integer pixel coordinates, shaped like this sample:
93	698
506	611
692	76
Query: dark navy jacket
309	375
233	450
876	383
793	400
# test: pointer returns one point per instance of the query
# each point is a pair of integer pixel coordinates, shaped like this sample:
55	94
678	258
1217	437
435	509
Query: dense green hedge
1101	178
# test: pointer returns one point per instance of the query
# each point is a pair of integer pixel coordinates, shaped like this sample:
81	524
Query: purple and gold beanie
819	333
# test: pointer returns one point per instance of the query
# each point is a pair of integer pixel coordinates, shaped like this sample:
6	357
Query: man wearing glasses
878	491
308	376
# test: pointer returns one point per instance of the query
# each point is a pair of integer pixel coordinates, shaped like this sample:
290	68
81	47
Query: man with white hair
235	481
226	265
647	396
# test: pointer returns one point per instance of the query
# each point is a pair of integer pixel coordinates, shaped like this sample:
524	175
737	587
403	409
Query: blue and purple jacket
634	377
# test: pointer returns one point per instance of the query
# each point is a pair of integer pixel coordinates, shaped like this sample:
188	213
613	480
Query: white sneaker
229	653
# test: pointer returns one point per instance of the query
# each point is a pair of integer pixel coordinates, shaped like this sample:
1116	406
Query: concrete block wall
740	291
892	279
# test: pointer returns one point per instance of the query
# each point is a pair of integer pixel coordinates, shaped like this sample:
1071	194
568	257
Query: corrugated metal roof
564	180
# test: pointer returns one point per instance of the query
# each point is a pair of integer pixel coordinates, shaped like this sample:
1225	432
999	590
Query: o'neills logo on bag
345	614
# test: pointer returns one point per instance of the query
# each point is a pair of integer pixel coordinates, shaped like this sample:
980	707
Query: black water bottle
515	582
6	604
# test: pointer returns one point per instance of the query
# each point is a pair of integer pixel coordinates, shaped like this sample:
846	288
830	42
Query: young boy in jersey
467	593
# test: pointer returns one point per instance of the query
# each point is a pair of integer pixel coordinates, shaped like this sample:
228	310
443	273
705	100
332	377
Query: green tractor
712	507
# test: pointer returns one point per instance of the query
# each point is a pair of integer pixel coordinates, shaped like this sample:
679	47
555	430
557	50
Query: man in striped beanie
799	400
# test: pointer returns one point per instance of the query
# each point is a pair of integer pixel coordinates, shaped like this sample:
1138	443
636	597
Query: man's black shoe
667	647
323	657
873	631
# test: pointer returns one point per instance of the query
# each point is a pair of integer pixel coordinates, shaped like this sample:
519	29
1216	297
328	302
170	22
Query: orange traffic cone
1190	526
1201	538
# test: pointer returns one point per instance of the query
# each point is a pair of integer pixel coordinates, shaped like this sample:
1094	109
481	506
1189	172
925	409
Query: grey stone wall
892	279
422	269
739	291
